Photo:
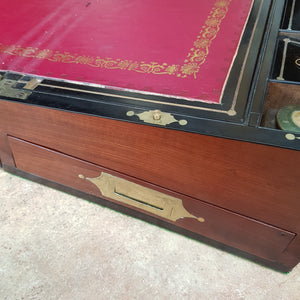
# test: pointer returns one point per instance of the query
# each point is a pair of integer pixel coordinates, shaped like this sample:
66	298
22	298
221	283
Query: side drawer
216	223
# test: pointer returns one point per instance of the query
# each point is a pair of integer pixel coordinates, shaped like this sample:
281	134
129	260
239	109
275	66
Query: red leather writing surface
182	48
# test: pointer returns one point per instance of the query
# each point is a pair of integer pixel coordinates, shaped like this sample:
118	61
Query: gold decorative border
200	50
191	66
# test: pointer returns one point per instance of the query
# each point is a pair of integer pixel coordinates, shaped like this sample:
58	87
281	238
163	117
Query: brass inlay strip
286	42
291	137
292	15
135	195
230	112
284	54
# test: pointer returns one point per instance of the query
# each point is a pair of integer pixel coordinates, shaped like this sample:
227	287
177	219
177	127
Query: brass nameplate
133	194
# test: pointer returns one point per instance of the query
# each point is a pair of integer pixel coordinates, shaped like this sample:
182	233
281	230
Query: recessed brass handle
133	194
139	201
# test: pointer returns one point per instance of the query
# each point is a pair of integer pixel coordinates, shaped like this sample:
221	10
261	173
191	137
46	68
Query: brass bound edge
135	195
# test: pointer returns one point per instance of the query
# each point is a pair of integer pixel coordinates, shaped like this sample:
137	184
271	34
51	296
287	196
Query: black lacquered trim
265	64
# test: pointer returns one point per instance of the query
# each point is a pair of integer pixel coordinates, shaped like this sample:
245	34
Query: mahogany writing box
183	113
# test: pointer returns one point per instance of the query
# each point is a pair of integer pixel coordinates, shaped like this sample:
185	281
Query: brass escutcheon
156	117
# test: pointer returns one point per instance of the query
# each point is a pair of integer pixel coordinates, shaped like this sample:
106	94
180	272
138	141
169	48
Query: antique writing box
183	113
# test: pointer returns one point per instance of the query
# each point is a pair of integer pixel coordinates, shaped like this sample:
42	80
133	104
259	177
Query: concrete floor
55	246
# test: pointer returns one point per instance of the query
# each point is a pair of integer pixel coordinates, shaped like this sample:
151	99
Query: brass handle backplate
133	194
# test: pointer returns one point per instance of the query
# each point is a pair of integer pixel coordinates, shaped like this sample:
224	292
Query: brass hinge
18	86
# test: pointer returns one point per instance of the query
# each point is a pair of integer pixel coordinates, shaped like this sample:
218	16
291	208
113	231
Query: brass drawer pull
141	197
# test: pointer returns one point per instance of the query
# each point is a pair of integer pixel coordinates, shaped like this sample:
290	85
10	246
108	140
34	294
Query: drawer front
216	223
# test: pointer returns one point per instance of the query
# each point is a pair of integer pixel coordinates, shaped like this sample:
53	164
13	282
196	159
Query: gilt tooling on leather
178	48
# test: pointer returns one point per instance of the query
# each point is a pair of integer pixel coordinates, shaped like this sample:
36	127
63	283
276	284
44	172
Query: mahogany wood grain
6	156
221	225
291	255
250	179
